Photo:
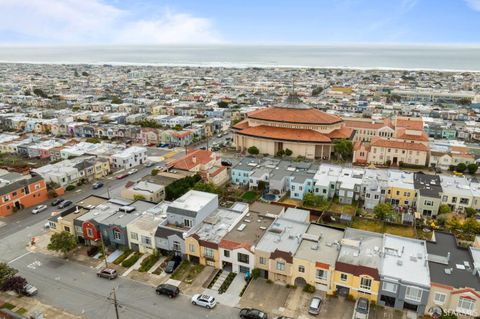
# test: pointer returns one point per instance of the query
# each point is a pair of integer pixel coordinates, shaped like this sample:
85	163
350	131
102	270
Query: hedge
131	260
227	282
148	263
122	257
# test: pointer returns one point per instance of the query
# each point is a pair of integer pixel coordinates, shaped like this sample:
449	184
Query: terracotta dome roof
291	115
287	134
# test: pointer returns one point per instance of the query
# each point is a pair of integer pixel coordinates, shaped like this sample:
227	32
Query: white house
130	157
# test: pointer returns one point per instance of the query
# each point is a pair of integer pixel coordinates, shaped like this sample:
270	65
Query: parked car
132	171
171	266
252	313
204	301
362	309
167	290
315	304
148	164
57	201
39	208
65	203
162	145
226	163
29	290
97	185
203	148
122	175
108	273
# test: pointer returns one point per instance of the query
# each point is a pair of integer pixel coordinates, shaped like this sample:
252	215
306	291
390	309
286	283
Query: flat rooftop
405	259
193	200
361	248
319	244
216	225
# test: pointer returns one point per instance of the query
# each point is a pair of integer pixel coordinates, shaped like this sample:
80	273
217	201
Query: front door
395	161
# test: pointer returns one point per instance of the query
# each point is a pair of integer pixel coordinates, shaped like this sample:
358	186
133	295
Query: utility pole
103	250
115	304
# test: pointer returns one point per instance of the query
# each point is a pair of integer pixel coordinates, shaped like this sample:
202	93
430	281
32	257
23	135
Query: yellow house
400	189
202	252
102	168
314	260
357	267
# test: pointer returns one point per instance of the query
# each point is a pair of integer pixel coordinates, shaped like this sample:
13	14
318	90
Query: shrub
309	289
227	282
148	263
70	187
132	260
210	285
154	172
269	281
253	150
255	273
461	167
122	257
472	168
470	211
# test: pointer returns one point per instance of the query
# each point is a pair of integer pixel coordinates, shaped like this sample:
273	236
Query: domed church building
292	125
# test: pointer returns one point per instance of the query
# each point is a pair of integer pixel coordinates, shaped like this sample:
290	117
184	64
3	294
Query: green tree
253	150
116	100
139	197
343	149
93	140
472	168
465	101
6	272
207	187
471	226
317	90
154	172
453	224
470	212
383	211
288	152
63	242
461	167
39	92
222	104
180	187
280	153
178	127
15	283
444	209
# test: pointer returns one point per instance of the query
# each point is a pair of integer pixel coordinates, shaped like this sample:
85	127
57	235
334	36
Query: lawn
249	196
342	209
368	224
405	231
291	201
187	272
148	263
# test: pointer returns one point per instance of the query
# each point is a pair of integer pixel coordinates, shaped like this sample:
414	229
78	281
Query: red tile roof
403	135
410	123
187	162
344	132
241	125
287	134
291	115
379	142
181	135
365	124
230	245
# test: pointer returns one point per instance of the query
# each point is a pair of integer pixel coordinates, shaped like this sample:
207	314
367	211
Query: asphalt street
76	289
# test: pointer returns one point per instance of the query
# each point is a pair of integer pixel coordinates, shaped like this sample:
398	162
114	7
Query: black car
65	203
57	201
226	163
167	290
97	185
251	313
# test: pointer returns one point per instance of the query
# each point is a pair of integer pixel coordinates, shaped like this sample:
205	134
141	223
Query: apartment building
130	157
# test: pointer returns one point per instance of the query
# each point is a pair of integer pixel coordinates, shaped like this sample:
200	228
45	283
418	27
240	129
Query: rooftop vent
241	227
399	262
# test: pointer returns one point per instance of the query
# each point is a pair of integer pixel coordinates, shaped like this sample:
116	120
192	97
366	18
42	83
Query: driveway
270	298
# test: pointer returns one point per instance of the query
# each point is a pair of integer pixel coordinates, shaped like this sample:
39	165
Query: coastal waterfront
411	57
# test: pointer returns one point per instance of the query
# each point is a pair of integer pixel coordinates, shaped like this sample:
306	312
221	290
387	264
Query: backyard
249	196
379	226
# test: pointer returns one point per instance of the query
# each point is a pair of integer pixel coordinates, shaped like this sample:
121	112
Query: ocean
409	57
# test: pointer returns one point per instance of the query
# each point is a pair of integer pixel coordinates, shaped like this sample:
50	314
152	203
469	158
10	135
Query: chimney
194	159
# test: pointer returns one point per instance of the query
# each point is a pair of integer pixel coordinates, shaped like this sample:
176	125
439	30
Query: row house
129	157
206	163
20	191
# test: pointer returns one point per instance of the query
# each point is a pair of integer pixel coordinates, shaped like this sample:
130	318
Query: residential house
357	269
404	274
374	186
457	193
205	163
275	250
145	190
130	157
429	193
454	275
237	247
20	191
314	260
400	189
183	215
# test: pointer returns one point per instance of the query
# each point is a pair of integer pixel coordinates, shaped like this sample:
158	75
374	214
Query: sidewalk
32	305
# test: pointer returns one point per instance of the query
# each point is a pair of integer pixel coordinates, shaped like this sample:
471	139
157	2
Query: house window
365	283
89	232
226	253
116	234
301	269
134	236
14	194
262	261
439	298
280	265
465	305
413	293
37	186
6	198
243	269
428	203
464	201
177	247
343	277
454	199
147	241
66	228
321	274
444	198
390	287
187	222
191	247
208	252
243	258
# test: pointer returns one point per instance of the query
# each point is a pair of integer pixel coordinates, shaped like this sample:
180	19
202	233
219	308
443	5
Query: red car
122	175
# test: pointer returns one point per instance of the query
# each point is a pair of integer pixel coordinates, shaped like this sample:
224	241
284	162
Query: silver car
39	208
204	301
